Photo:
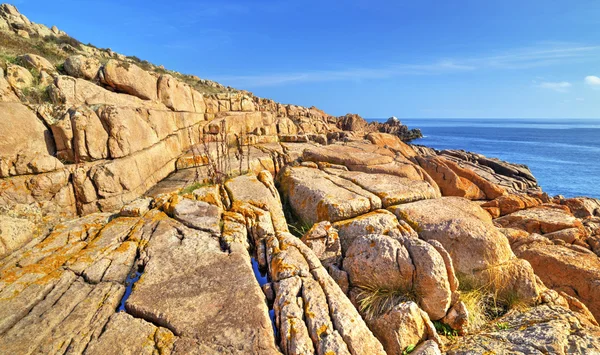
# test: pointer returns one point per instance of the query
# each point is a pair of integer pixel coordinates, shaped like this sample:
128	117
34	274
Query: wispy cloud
522	58
593	81
562	86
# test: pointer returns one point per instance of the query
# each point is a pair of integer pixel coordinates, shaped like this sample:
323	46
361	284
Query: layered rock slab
187	288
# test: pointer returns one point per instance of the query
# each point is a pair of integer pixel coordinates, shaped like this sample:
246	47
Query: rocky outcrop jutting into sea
144	211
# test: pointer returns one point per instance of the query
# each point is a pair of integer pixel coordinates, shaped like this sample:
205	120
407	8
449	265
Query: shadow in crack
133	277
263	279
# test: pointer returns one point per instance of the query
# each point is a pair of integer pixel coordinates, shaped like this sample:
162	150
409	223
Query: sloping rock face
540	330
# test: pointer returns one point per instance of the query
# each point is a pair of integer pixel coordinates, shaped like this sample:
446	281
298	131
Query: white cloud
545	54
562	86
580	99
592	81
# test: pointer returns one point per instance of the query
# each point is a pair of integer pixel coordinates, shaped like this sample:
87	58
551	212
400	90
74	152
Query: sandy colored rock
450	183
344	155
563	269
392	190
541	220
6	92
402	326
34	139
83	67
314	197
18	77
14	233
36	62
392	142
198	215
324	241
211	312
430	279
376	261
380	222
510	203
130	79
550	329
125	334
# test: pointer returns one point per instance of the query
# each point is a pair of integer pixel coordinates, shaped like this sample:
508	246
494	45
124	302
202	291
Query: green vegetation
444	329
409	349
502	326
299	228
374	301
190	188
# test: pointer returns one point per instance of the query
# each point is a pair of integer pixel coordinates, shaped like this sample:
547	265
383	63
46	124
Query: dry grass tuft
374	301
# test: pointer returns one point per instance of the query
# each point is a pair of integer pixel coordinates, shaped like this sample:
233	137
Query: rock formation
147	211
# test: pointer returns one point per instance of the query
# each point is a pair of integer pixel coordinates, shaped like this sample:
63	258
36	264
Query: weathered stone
323	239
14	233
36	62
542	220
402	326
314	197
175	94
376	261
345	318
543	329
33	142
6	92
82	67
130	79
126	334
198	215
18	77
466	231
430	278
563	269
380	222
392	189
211	313
137	208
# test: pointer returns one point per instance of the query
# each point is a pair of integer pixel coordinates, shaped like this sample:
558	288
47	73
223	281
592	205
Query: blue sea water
563	154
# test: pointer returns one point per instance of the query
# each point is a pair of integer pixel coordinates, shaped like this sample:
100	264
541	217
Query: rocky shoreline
136	205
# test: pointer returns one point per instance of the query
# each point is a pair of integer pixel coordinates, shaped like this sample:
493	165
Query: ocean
563	154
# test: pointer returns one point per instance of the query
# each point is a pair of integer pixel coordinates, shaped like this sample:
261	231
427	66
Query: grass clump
374	301
300	228
191	188
486	302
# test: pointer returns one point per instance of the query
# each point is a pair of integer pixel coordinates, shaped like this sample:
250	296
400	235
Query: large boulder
129	78
577	273
82	67
315	196
542	220
36	62
31	150
476	246
403	326
19	77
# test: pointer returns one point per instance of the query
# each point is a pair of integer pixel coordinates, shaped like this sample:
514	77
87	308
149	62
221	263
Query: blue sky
426	58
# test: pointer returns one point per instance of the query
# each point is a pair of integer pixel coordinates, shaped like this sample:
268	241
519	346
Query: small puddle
131	279
263	278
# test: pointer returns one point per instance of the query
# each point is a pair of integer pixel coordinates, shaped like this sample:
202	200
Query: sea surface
563	154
